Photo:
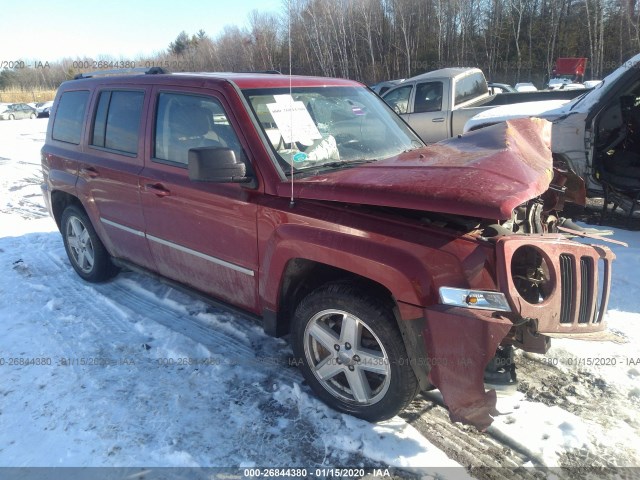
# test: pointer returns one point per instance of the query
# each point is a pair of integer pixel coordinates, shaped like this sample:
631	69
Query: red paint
336	221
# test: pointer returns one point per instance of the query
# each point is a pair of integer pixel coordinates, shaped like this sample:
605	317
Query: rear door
108	172
202	234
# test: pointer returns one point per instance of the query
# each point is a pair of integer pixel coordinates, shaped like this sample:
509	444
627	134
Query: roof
203	79
445	72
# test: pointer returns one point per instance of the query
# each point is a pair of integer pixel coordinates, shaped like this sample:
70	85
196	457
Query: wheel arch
294	264
60	200
301	276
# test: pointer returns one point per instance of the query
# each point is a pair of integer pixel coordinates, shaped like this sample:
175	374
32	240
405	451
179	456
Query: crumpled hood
485	174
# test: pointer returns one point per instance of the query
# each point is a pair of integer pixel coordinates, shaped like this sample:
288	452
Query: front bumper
458	343
580	279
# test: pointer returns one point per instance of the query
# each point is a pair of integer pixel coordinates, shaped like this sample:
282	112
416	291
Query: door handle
438	120
158	189
89	172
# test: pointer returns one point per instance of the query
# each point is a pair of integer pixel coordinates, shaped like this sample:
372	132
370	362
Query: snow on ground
134	373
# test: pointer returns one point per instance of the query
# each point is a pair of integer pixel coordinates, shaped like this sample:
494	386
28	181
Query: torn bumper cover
461	341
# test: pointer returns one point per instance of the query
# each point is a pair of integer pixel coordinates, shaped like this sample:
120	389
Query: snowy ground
104	375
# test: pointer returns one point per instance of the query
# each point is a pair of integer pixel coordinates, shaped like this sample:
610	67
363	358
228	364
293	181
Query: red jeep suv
307	202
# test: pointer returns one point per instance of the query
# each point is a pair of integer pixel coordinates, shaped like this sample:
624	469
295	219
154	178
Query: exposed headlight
480	299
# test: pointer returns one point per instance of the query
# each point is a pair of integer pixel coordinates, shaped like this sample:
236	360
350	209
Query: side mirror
215	164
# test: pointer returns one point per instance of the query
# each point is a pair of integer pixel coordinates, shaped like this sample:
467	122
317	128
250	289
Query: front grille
566	285
587	291
578	290
580	273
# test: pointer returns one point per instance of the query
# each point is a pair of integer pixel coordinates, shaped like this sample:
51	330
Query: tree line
375	40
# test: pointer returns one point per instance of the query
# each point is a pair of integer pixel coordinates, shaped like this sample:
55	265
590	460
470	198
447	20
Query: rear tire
86	252
351	353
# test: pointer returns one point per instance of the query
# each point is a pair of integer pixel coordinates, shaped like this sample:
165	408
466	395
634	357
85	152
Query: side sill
214	302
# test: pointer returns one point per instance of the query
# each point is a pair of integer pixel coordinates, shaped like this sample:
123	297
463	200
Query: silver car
16	111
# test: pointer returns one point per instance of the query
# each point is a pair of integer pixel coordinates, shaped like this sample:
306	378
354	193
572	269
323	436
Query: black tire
88	256
11	117
350	383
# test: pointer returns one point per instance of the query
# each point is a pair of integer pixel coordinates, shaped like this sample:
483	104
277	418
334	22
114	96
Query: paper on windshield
293	120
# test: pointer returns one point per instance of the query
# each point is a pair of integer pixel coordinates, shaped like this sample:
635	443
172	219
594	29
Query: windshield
328	127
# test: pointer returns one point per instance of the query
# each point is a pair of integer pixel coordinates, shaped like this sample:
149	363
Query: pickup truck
596	135
437	104
306	204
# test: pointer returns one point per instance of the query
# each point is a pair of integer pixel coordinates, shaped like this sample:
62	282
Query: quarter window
190	121
117	122
67	125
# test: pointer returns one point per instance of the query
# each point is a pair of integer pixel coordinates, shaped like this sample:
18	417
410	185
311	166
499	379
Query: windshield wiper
331	166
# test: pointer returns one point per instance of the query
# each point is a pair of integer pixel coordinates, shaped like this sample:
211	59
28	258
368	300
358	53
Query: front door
428	118
202	234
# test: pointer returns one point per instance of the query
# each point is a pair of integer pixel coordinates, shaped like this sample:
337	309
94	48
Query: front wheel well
302	276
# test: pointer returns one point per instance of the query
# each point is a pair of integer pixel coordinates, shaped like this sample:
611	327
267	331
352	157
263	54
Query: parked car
525	87
307	203
16	111
42	108
564	84
496	88
437	104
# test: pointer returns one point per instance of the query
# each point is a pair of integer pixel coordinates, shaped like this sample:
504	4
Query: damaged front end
545	284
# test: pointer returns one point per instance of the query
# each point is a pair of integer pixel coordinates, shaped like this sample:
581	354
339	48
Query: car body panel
511	161
219	256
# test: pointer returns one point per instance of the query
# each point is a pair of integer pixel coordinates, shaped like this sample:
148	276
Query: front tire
11	117
351	353
86	252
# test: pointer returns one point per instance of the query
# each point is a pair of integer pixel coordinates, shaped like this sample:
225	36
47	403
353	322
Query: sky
47	31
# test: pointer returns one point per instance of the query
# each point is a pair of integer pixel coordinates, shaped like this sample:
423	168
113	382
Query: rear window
67	126
117	122
470	87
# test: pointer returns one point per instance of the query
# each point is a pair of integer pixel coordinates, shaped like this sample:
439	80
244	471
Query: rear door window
67	126
117	121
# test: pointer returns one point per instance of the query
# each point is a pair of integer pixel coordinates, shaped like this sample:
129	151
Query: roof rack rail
122	71
270	72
